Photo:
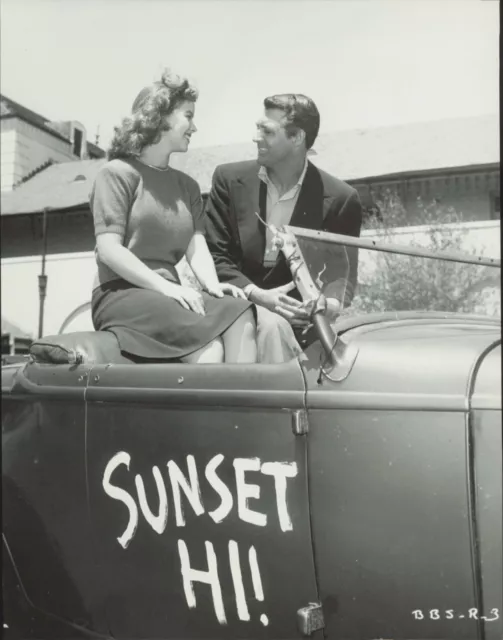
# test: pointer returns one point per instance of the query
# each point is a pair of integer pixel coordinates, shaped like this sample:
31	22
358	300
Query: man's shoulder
332	186
234	170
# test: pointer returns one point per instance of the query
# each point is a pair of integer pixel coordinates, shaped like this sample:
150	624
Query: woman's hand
190	299
225	287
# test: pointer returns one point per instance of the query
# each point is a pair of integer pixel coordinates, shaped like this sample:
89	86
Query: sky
366	63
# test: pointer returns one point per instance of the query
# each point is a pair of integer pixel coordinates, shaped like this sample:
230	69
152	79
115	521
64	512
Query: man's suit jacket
236	237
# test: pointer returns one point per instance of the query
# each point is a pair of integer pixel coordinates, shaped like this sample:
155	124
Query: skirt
151	325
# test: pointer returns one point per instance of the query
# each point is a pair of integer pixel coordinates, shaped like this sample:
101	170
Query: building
455	162
30	143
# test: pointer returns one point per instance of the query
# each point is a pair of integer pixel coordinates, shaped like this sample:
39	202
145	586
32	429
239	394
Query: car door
485	417
45	512
199	503
392	506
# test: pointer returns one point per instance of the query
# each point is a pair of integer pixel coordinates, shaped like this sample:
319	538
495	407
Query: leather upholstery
89	347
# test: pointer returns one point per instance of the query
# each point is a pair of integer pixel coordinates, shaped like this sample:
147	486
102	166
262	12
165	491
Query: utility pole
42	278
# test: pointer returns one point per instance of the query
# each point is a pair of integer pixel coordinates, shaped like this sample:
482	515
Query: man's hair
300	113
150	108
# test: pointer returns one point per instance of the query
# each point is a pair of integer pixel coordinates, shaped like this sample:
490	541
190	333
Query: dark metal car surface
404	507
216	501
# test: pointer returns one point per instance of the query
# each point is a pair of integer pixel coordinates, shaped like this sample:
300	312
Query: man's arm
347	221
220	234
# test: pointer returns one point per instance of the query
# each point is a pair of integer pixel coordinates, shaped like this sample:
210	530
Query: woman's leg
240	341
213	352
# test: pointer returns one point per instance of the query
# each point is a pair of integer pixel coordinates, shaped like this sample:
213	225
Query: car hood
414	355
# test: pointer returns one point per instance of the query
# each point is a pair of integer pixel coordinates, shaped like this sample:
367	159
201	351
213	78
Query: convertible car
352	493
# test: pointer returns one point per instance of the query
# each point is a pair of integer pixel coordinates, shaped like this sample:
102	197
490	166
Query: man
282	187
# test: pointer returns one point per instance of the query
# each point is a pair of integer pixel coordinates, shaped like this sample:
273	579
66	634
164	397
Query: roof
9	107
363	153
353	155
9	327
410	148
12	109
54	188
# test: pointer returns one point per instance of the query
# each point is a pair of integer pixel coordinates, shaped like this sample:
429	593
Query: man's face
272	142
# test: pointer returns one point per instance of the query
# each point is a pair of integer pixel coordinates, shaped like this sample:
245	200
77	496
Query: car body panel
45	511
386	446
394	507
485	416
228	415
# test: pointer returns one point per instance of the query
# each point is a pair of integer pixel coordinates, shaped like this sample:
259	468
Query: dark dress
156	212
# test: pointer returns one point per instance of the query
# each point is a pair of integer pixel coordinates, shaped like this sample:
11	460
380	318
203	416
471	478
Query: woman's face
181	123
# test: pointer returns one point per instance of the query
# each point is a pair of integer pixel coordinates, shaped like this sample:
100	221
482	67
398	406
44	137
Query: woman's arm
126	265
201	262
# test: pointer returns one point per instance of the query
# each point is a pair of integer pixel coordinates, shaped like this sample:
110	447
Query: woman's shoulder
116	175
187	181
119	168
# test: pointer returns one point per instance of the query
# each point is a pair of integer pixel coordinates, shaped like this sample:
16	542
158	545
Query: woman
147	216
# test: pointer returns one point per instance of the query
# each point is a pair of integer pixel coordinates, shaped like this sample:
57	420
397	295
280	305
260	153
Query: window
77	142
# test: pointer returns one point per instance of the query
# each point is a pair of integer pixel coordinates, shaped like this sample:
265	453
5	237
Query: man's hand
278	301
332	312
334	309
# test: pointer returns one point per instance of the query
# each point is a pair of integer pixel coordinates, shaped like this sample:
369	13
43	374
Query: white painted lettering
255	573
157	522
257	581
225	495
247	491
190	575
473	614
120	494
237	580
191	489
281	471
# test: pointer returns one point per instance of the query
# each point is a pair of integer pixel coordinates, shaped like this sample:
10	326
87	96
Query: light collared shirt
279	210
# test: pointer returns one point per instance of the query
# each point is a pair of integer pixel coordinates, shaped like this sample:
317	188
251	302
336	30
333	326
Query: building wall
471	194
21	235
34	147
9	171
69	283
28	147
71	275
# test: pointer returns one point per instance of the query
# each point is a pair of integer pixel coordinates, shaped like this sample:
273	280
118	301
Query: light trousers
276	340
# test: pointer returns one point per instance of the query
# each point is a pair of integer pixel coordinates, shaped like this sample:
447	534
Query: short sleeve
111	199
196	207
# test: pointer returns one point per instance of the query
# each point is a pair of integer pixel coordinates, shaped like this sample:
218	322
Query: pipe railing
388	247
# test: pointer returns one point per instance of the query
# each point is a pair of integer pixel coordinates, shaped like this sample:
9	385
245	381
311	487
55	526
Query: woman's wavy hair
148	115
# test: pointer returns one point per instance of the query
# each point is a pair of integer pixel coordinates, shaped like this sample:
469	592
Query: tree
393	282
